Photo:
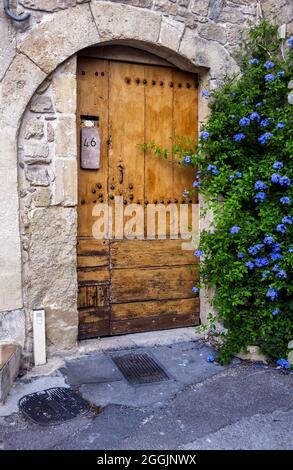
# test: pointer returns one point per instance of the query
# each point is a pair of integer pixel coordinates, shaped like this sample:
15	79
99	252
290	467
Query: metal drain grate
52	406
140	368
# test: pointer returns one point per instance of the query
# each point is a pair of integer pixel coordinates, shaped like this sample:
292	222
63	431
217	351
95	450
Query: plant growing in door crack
245	171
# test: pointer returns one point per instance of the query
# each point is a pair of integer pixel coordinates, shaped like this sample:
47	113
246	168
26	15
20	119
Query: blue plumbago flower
240	255
246	102
205	93
261	262
254	116
198	253
204	135
238	137
269	77
234	229
276	268
213	169
268	240
269	64
277	165
263	139
249	265
280	125
260	185
195	290
276	311
253	61
282	274
290	42
253	250
196	184
185	193
272	293
244	121
187	159
281	228
238	174
260	197
210	358
264	122
287	219
231	178
265	274
281	73
285	200
258	104
275	178
276	256
283	362
290	249
276	247
285	181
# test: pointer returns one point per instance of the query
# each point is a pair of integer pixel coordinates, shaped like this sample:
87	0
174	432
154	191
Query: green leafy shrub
244	170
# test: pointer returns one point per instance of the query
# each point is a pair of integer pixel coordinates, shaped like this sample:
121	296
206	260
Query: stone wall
37	111
48	196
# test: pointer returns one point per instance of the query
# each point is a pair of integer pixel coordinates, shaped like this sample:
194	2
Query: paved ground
203	406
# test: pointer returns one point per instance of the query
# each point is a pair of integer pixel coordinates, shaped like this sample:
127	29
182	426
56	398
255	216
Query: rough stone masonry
38	174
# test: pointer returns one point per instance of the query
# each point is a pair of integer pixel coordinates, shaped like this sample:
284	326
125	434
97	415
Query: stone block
42	197
39	175
64	88
10	257
200	7
215	9
208	54
9	368
116	21
52	265
50	132
34	129
61	327
65	185
231	15
65	137
36	153
41	104
63	34
171	33
7	43
16	89
12	326
48	5
214	32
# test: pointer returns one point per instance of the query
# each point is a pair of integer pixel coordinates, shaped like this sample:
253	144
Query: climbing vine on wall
245	169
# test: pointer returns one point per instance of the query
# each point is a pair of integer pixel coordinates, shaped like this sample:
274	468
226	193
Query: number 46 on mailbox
90	143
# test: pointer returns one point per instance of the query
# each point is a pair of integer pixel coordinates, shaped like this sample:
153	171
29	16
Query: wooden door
131	285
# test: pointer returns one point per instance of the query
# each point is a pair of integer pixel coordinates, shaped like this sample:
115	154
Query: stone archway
42	50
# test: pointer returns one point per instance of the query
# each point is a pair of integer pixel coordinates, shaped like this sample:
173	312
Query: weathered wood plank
93	323
143	310
161	322
92	99
142	253
152	283
91	274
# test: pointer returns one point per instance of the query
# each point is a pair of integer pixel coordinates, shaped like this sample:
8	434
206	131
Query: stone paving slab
96	368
